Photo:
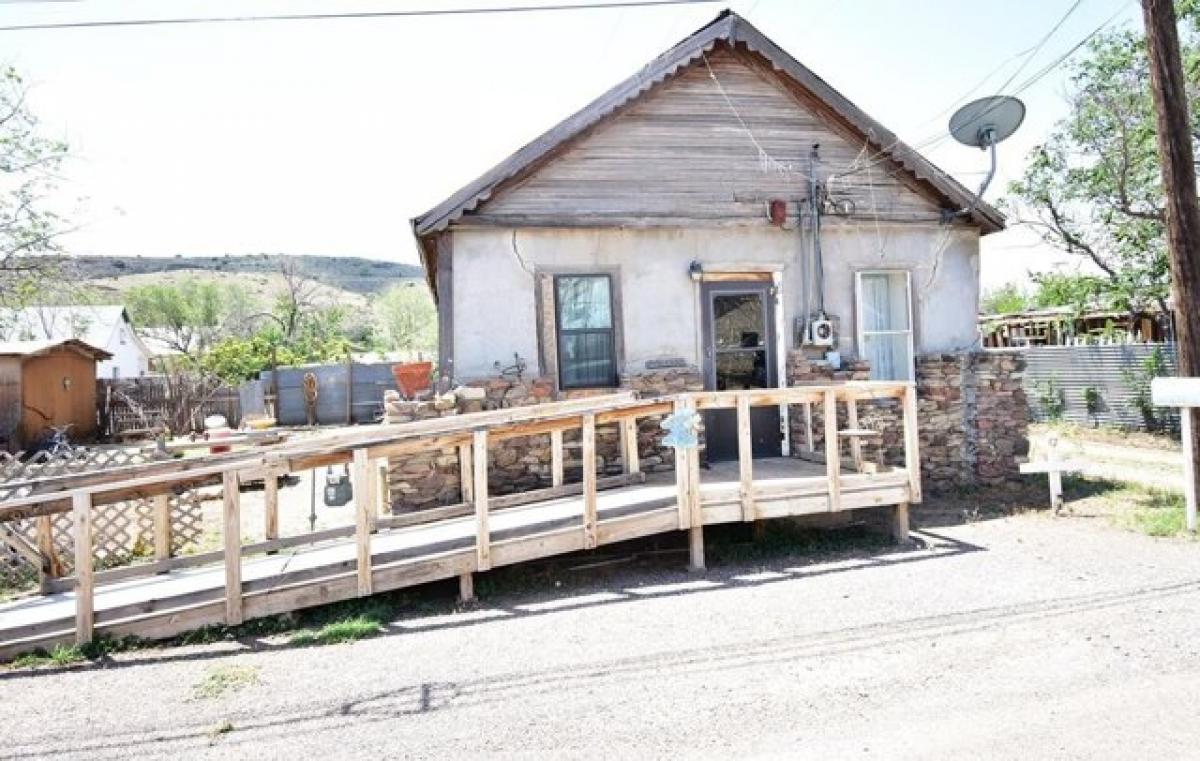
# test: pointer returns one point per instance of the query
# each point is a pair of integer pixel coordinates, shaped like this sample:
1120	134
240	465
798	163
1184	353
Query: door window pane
738	370
738	321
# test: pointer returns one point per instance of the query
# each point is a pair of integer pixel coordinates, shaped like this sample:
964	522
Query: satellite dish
987	121
983	123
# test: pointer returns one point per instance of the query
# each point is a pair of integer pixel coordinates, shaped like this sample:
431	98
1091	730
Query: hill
352	274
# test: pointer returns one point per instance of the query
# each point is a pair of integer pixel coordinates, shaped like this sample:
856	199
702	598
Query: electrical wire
347	15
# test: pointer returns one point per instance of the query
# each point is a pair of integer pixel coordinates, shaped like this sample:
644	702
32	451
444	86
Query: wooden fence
140	404
389	552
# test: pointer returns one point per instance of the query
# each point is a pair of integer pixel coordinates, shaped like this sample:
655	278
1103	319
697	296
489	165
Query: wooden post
696	537
162	526
856	454
745	457
589	481
363	505
483	540
556	457
1189	467
81	513
912	443
682	477
49	568
383	496
900	523
833	455
466	587
1174	134
629	445
271	505
232	531
466	474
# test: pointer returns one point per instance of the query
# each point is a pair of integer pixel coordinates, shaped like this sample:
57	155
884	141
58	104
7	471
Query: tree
1006	299
191	315
298	297
1094	188
407	318
29	231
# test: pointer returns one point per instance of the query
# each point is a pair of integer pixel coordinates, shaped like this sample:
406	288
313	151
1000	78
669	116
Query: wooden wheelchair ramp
383	552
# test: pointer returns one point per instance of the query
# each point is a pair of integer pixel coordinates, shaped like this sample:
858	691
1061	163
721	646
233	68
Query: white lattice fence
123	533
18	470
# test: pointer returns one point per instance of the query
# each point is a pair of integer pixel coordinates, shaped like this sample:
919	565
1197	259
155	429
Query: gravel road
1020	637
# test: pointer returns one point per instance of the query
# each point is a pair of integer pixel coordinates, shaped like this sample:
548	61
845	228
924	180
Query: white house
722	211
103	326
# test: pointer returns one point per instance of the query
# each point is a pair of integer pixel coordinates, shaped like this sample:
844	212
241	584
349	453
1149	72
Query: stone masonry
432	479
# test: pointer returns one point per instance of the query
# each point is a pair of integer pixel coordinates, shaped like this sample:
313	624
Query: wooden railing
368	449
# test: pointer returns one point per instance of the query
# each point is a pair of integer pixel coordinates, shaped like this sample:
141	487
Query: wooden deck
379	553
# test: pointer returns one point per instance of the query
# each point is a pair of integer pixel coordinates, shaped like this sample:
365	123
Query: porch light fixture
696	270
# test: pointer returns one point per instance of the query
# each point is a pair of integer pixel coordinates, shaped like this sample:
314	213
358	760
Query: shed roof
35	348
732	29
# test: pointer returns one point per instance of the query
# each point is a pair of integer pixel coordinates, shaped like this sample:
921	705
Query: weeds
60	655
219	680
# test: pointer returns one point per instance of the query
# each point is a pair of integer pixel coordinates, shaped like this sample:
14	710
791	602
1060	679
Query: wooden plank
466	587
85	590
271	506
162	526
233	549
483	551
363	506
912	443
556	457
589	481
466	474
629	445
745	458
383	493
833	459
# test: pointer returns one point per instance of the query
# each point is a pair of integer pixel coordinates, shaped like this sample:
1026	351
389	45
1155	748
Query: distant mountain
347	273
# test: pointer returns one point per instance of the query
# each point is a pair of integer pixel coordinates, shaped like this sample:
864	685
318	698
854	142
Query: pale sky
326	137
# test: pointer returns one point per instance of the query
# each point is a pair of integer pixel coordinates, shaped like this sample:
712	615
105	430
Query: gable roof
731	29
35	348
92	324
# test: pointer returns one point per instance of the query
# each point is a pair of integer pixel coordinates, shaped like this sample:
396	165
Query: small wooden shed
44	384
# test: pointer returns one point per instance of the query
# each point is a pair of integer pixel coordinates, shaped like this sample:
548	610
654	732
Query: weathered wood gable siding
681	154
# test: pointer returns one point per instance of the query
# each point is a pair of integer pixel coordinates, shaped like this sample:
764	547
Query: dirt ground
997	634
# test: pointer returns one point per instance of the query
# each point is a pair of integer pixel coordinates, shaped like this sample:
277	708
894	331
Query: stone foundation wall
431	479
971	410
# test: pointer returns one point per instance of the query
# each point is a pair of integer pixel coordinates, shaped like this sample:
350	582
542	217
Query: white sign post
1185	394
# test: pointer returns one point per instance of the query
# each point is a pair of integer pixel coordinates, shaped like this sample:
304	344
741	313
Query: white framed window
884	320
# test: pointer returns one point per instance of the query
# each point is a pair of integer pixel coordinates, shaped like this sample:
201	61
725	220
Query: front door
739	353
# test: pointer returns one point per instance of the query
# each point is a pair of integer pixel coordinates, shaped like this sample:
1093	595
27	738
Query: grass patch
219	680
60	655
1155	512
346	622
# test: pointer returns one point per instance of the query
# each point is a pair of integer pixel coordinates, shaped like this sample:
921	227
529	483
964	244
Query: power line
349	15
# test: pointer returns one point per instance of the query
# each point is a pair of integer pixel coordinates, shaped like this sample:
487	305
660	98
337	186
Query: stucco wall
494	295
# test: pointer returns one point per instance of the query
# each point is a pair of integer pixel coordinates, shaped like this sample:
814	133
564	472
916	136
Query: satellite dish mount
983	124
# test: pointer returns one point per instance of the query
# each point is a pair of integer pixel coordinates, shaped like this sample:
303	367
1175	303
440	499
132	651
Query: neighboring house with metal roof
46	384
719	211
104	326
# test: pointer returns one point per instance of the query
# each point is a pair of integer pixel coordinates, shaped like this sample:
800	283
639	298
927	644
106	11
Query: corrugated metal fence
336	394
1067	372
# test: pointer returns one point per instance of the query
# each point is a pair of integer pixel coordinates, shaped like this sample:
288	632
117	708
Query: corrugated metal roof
730	28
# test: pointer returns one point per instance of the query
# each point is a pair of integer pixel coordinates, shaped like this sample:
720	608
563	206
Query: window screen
586	346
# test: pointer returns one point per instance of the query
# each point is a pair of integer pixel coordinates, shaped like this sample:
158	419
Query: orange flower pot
412	377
